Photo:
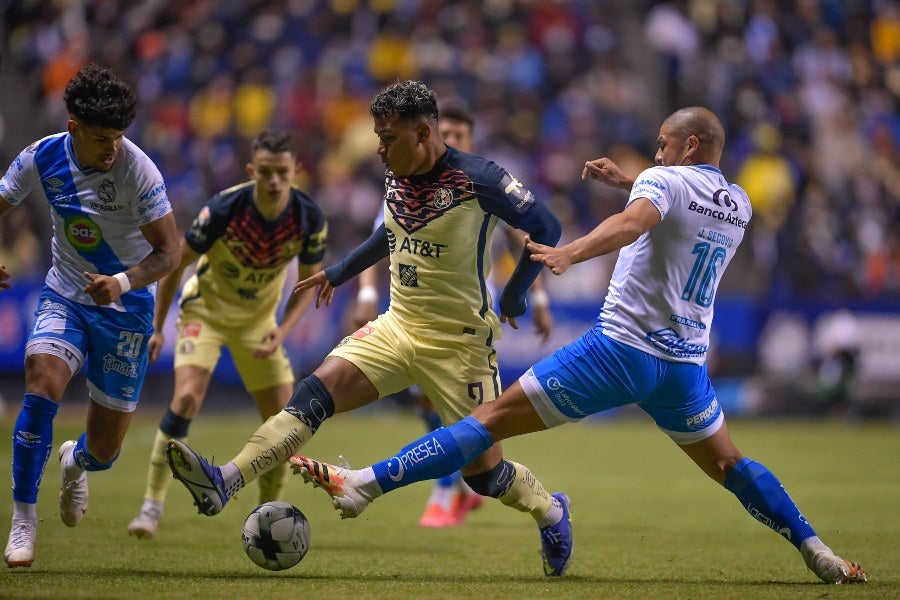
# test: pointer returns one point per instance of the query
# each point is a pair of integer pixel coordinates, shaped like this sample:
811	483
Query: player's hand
543	321
155	345
103	289
510	320
556	259
605	170
325	291
364	312
4	278
269	343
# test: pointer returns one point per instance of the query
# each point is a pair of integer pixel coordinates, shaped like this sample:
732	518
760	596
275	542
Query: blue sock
433	421
763	496
32	444
434	455
85	460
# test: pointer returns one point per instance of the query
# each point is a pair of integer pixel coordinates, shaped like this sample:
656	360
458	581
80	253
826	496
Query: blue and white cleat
556	541
202	480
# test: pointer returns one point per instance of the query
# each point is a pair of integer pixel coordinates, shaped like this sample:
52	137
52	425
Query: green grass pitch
647	523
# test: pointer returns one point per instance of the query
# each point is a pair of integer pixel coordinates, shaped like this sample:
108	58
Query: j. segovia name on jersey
241	272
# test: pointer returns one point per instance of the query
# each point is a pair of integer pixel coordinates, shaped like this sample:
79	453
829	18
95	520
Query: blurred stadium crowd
808	91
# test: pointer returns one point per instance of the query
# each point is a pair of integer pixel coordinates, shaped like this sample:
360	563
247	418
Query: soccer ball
276	535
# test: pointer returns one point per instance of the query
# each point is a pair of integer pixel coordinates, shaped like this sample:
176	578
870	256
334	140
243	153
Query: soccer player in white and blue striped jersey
114	236
677	234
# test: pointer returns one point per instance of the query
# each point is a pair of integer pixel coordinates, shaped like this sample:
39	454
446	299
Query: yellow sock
527	494
273	443
158	476
272	482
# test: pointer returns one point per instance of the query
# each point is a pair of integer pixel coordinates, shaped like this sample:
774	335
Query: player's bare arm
325	291
366	308
163	238
296	307
605	170
613	233
165	294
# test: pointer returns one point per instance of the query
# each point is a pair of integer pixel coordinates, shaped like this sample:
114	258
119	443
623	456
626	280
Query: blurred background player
245	238
451	499
114	236
441	208
676	236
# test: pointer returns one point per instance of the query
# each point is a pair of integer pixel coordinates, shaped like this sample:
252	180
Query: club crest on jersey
414	206
107	191
443	198
83	234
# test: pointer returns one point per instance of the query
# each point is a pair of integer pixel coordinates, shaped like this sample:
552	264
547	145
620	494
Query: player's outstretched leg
351	491
280	436
73	490
202	480
761	494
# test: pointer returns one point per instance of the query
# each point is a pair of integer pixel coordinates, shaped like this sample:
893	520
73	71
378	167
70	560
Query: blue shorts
115	344
596	373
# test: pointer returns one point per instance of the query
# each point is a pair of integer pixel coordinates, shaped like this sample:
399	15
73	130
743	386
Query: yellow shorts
456	371
199	344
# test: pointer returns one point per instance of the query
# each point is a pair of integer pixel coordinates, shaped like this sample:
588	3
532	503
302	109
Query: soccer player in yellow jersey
244	239
441	208
451	499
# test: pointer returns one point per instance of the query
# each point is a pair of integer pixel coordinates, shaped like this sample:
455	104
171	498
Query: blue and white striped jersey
96	215
661	295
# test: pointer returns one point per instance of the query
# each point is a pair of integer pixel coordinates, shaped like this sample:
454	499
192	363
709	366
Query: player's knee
494	482
173	425
724	467
186	402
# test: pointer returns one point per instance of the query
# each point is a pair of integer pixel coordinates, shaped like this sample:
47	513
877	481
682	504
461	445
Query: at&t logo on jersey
83	234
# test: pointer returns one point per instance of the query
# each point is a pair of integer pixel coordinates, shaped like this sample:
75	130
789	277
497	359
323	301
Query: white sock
23	511
553	516
368	485
233	479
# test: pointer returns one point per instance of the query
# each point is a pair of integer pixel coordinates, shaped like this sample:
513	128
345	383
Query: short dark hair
407	99
97	97
458	112
275	141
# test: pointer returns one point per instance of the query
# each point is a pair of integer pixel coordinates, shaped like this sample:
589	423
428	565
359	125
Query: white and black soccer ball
276	535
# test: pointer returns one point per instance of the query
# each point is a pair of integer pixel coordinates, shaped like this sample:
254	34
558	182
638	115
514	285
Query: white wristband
122	278
539	299
367	294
